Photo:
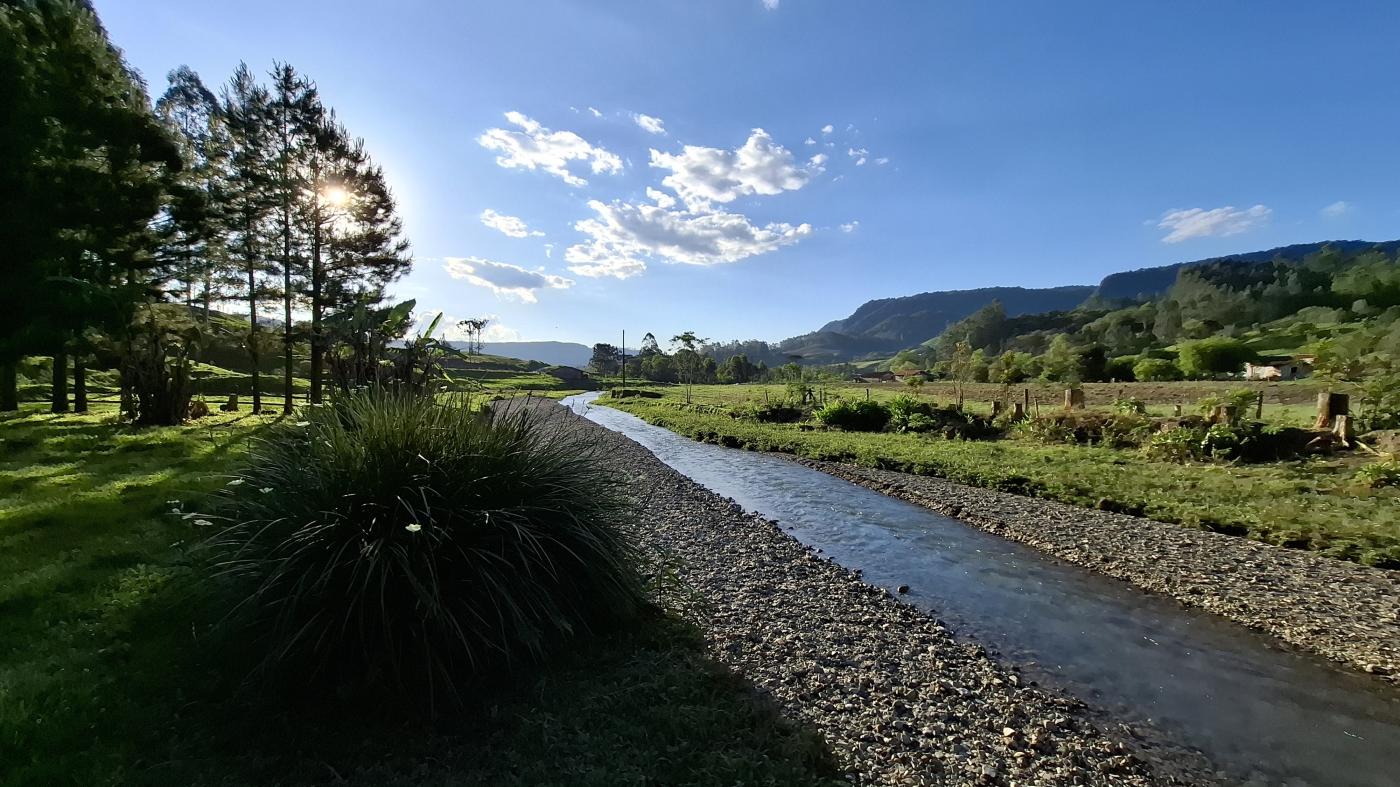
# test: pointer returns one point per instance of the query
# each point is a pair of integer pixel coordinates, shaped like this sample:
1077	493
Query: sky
756	168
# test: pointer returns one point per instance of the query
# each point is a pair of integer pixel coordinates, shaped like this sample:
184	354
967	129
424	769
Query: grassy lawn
1307	504
106	676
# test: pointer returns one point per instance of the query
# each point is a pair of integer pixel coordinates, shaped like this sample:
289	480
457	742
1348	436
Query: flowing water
1264	714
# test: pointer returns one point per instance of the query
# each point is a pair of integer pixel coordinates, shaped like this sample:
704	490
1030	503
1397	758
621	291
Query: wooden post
1259	407
1026	399
1176	410
1074	399
996	407
1019	413
1329	406
867	394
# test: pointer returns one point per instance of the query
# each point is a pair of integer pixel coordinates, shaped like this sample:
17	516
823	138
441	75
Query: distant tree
1061	362
1155	370
737	369
689	362
606	360
1213	356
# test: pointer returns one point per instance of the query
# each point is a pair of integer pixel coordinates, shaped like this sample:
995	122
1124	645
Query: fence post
1259	408
1074	399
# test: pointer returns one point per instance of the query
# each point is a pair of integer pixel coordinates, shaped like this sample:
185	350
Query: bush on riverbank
389	542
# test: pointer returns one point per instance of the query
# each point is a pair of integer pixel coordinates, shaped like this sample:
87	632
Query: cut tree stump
1329	406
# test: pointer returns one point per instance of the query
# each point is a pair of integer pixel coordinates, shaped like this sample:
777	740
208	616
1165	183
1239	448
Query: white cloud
595	112
817	163
809	141
1217	222
505	280
851	227
828	128
882	161
548	250
649	124
858	154
701	175
536	147
509	225
622	236
661	198
1338	208
771	5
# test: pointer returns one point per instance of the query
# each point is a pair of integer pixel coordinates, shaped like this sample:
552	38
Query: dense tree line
250	195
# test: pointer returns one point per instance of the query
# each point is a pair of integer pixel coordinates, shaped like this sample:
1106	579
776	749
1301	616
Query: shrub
1121	368
391	543
862	416
771	412
1378	474
1156	370
1180	444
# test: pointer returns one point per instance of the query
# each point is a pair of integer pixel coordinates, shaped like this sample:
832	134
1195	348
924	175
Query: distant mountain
553	353
888	325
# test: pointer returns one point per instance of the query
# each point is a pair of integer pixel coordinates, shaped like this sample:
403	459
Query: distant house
905	374
876	377
1291	368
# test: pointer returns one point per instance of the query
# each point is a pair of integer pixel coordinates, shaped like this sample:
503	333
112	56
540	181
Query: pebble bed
898	699
1343	611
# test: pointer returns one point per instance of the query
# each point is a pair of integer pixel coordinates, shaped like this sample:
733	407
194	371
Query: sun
335	196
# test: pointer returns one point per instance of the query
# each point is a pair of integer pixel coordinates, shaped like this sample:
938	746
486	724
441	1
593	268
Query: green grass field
107	676
1307	504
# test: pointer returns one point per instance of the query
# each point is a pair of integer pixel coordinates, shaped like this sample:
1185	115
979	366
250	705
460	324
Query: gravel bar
896	696
1343	611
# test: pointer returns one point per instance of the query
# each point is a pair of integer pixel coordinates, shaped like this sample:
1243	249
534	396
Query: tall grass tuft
393	543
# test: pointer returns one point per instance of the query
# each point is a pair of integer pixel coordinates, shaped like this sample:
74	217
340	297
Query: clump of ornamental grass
390	543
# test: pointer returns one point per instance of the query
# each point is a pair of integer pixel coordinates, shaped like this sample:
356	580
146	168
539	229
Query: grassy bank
1307	504
105	677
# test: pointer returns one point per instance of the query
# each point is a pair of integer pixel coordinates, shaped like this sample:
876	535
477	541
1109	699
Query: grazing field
106	676
1310	503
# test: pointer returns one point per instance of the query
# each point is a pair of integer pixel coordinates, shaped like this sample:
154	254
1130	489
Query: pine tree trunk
318	357
286	307
9	385
59	396
253	338
80	400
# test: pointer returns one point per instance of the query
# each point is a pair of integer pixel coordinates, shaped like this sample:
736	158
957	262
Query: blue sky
661	149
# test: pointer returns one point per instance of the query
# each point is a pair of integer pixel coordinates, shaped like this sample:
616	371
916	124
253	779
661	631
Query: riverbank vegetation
1222	476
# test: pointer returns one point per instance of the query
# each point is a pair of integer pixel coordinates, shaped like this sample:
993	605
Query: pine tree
295	109
249	200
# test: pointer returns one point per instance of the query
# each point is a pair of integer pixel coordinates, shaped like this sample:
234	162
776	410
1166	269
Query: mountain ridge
890	324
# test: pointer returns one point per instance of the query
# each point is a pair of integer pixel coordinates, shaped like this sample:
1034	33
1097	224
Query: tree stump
1018	413
1074	399
1176	411
997	407
231	406
1341	427
1329	406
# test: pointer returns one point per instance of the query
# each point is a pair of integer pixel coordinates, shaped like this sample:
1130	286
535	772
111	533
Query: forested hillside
887	325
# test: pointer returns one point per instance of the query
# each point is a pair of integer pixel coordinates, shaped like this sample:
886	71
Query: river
1261	712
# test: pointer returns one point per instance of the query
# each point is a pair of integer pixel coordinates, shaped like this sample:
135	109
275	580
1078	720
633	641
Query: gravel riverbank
899	700
1344	611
